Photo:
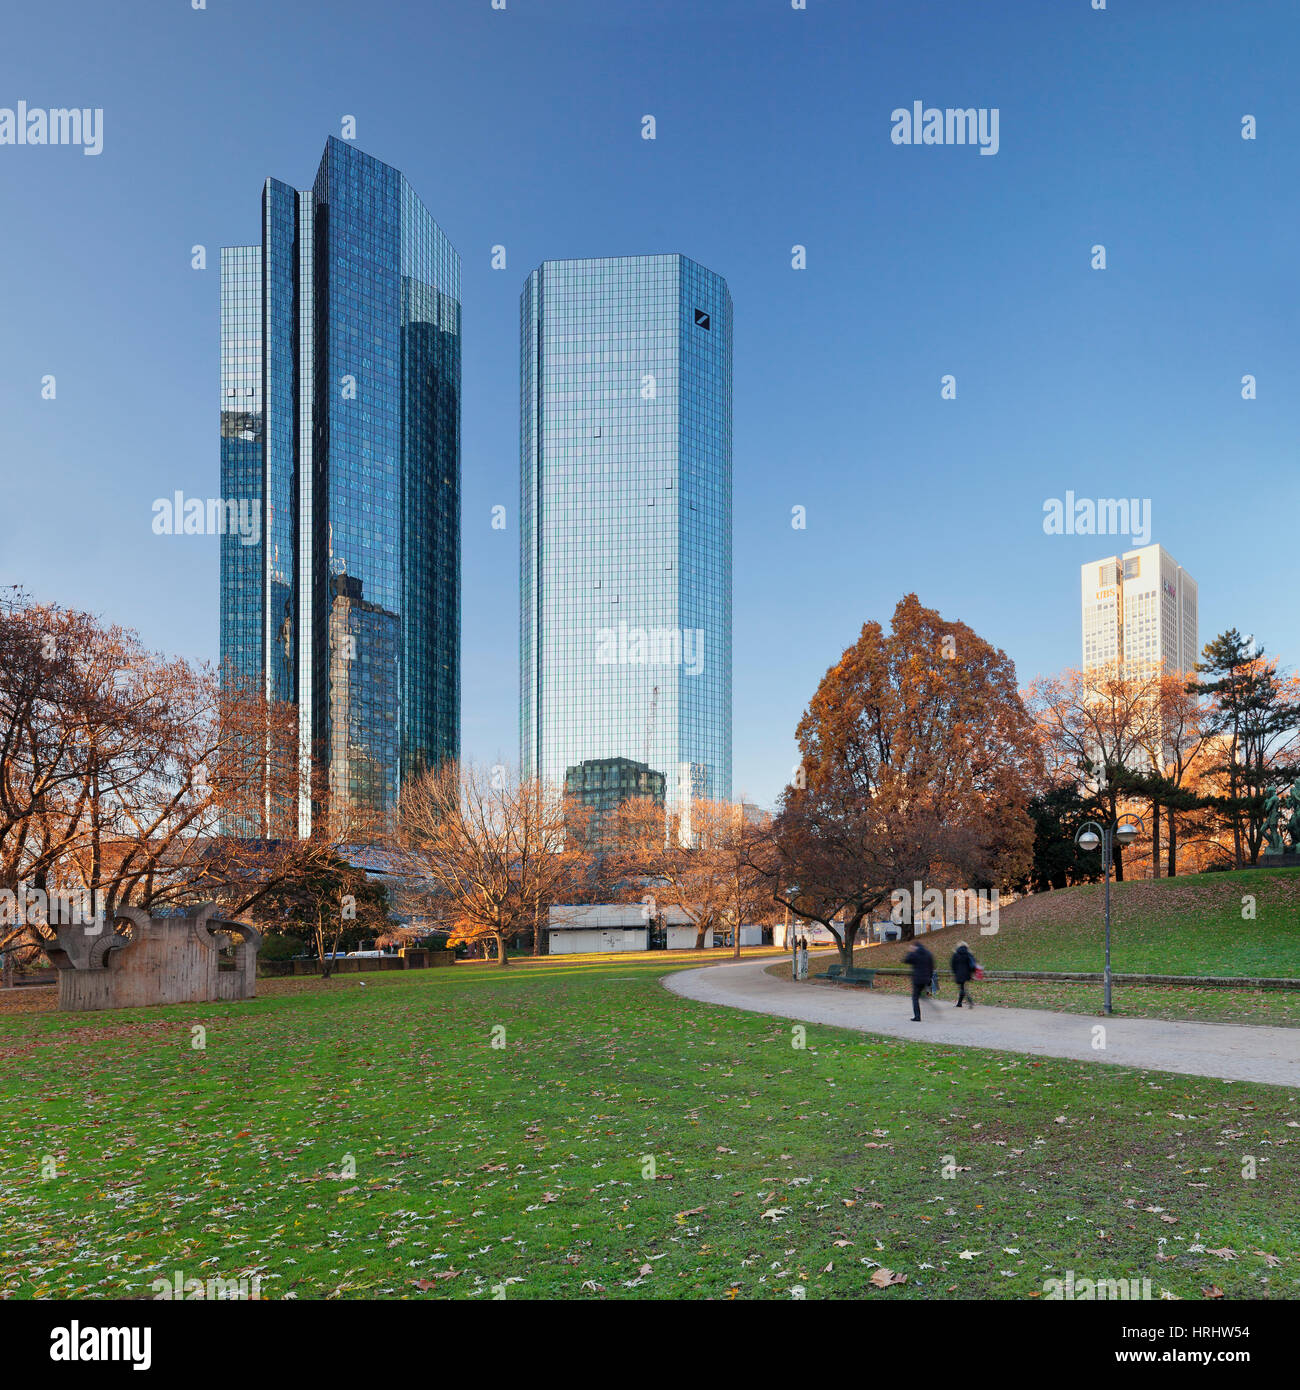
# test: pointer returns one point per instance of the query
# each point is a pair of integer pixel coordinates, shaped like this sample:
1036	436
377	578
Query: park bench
852	976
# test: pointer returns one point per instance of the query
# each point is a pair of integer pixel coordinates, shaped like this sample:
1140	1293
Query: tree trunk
1155	838
326	961
1171	843
1236	809
501	950
1117	860
699	938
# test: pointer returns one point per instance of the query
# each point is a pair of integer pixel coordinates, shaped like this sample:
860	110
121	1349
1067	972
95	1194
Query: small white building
576	929
679	930
579	928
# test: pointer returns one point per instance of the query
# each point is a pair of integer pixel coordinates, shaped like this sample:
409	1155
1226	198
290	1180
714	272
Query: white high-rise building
1139	609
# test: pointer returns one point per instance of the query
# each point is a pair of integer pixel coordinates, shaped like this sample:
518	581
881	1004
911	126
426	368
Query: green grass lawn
623	1143
1180	926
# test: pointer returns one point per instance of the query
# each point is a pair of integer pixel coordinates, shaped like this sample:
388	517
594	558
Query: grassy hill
1178	926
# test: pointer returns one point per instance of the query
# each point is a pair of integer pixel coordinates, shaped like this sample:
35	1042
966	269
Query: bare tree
131	780
496	851
707	872
1096	728
1181	736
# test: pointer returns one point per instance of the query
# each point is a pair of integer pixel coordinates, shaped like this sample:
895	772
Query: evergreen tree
1253	710
1058	861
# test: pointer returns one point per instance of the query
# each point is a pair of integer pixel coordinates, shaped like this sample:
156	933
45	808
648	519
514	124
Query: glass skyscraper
340	418
625	444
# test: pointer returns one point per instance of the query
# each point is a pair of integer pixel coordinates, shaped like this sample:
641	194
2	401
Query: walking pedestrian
922	963
964	967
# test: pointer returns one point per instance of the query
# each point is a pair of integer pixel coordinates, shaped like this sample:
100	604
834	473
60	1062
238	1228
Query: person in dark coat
922	963
963	971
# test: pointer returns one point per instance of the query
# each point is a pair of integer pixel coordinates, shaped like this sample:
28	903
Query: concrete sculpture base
164	960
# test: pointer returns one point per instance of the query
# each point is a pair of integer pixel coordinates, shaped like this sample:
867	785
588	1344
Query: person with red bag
964	969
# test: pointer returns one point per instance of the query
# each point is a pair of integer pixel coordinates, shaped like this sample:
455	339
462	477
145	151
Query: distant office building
1139	609
605	783
625	442
340	418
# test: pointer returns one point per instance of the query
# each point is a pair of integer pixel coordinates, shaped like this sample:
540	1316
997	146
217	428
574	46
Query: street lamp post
1088	837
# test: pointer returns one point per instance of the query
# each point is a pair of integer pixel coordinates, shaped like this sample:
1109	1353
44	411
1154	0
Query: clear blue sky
522	127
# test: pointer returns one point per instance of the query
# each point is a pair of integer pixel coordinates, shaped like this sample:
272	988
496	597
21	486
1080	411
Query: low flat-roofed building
578	928
632	926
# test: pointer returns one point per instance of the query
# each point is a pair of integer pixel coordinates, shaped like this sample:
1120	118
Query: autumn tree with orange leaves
131	779
918	762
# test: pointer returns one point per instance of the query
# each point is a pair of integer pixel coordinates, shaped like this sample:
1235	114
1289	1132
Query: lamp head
1126	833
1088	840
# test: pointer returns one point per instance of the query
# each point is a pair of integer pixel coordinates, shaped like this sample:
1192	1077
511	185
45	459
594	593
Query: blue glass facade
626	517
357	456
242	579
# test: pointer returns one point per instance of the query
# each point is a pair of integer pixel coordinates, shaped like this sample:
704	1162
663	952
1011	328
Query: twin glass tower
340	415
625	531
340	420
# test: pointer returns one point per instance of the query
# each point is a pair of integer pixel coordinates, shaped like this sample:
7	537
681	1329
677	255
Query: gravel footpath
1230	1051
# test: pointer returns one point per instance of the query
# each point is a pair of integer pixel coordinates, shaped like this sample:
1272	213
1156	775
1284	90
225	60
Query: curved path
1231	1052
